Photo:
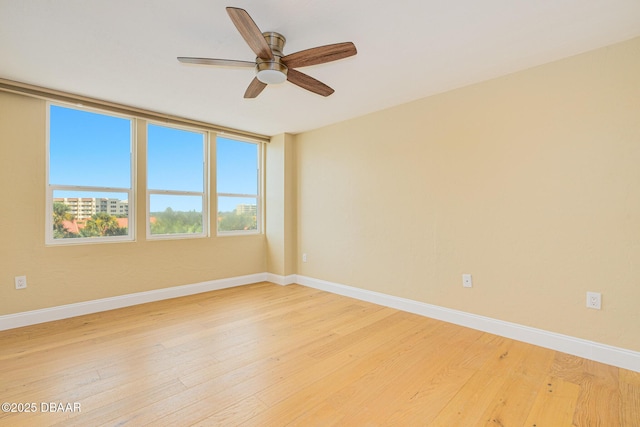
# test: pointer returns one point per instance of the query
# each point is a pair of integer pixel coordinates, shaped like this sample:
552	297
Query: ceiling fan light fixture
271	76
271	72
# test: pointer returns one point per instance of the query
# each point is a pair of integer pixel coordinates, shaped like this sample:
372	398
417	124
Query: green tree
232	221
61	213
176	222
103	224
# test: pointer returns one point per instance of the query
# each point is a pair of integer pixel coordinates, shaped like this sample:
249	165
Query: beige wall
68	274
530	182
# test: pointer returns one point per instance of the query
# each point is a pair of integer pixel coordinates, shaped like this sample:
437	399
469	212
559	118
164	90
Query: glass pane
175	159
89	149
89	214
237	214
175	214
237	166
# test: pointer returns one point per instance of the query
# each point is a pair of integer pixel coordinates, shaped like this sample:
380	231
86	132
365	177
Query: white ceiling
125	51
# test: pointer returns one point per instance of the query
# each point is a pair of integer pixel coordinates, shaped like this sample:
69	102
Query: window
90	170
238	180
176	182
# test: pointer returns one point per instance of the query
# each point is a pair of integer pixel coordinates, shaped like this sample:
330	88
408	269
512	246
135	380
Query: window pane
89	149
237	166
175	214
237	213
175	159
89	214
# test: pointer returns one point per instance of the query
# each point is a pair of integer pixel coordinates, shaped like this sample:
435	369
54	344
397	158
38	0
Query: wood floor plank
555	403
288	386
235	414
513	402
629	404
431	386
288	399
599	399
268	355
356	402
472	399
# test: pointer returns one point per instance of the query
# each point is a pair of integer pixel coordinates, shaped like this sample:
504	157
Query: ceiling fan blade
320	55
218	62
308	83
250	32
254	89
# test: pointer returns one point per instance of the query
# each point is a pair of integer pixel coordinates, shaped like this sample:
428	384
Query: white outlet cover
21	282
594	300
467	282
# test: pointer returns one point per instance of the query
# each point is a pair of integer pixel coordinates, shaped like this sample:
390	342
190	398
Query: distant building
245	209
112	206
84	207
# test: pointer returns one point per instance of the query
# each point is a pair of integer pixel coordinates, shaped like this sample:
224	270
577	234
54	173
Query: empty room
411	213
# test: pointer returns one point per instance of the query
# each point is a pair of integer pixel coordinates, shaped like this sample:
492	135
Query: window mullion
246	196
176	192
88	188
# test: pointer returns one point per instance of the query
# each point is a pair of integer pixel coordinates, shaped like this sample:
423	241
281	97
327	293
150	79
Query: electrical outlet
594	300
466	281
304	257
21	282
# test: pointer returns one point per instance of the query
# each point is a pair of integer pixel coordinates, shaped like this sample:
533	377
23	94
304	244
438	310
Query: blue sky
89	149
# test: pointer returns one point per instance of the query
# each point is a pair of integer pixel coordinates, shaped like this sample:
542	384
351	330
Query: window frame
51	188
260	182
205	185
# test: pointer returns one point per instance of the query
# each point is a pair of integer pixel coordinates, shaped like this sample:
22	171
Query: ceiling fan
271	65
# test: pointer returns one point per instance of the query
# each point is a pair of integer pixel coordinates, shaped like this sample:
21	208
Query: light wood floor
266	355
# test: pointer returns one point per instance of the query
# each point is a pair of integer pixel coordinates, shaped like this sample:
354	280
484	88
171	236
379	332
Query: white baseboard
17	320
591	350
281	280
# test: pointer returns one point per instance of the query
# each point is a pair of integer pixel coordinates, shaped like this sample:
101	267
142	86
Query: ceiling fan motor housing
272	71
